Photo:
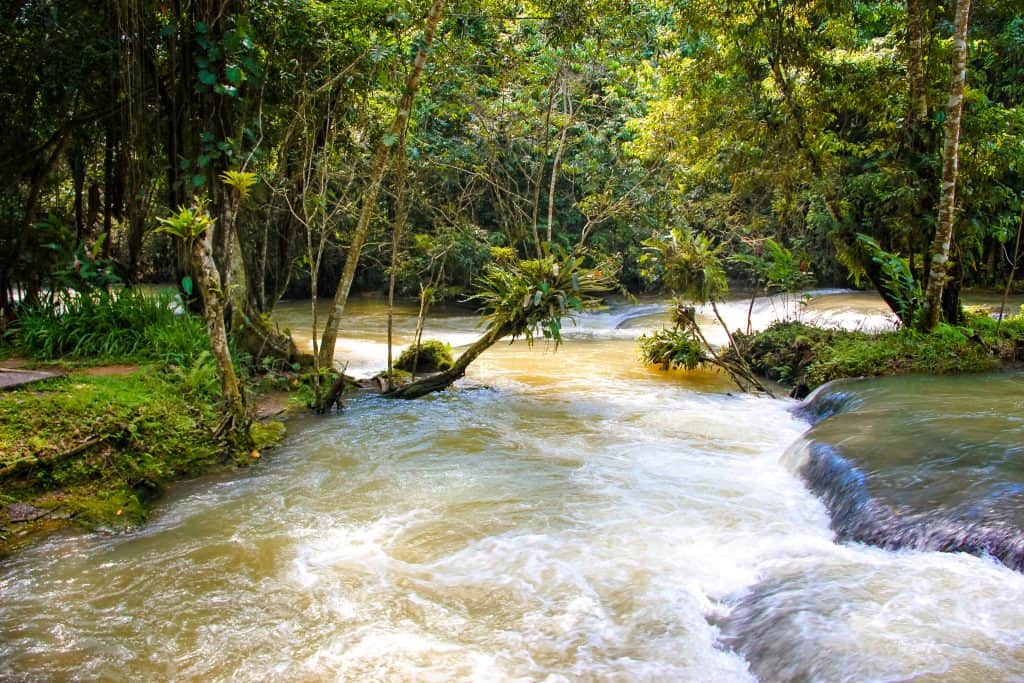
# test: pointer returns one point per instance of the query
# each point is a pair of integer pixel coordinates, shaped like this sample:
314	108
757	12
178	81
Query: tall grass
126	324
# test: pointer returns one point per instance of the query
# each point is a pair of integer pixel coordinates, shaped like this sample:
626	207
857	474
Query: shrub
672	349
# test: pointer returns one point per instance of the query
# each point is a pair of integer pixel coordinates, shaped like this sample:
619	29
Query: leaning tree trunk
213	313
380	165
932	309
445	379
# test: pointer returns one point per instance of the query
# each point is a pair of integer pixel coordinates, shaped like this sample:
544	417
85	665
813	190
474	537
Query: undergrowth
126	324
801	355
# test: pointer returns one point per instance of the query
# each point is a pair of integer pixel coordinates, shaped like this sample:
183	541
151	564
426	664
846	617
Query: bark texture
213	313
932	309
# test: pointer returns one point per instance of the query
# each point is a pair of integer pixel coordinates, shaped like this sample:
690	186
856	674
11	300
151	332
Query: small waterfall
826	401
923	463
856	516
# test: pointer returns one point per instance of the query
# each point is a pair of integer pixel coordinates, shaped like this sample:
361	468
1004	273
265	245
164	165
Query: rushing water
568	516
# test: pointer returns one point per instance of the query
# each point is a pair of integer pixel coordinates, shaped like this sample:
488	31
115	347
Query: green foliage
899	282
266	434
430	356
688	263
534	295
198	378
86	269
241	181
189	223
126	324
672	349
776	267
796	353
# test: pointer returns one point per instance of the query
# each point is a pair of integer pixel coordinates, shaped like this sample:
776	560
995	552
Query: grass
99	448
798	354
102	326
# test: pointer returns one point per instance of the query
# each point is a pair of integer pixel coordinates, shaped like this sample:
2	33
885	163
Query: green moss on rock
430	356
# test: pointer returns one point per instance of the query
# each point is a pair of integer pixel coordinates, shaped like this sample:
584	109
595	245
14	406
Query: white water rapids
568	516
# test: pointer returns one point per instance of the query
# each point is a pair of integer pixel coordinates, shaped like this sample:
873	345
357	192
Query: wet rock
23	512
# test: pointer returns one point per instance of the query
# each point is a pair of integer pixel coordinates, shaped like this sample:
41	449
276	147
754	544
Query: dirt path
12	379
14	374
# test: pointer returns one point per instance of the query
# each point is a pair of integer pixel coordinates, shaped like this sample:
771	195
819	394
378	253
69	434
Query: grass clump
804	356
99	449
430	356
126	324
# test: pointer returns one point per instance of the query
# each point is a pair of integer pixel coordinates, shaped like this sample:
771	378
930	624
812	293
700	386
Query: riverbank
96	447
804	357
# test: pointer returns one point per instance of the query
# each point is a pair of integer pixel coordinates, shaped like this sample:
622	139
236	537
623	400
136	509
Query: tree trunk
401	213
445	379
917	85
950	166
380	164
213	313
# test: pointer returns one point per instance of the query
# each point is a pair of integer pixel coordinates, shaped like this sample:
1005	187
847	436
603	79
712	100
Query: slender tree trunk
554	168
917	85
77	163
380	164
108	191
950	166
540	171
401	213
1013	268
213	313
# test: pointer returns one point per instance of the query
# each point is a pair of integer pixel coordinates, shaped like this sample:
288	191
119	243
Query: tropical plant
532	296
522	299
126	324
690	265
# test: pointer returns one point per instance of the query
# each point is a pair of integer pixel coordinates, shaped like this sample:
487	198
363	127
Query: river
561	516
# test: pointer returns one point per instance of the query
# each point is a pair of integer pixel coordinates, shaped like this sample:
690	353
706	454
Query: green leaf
389	139
235	74
206	77
186	285
198	180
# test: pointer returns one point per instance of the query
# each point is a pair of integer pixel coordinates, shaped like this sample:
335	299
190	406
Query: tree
932	308
194	226
523	298
385	148
690	265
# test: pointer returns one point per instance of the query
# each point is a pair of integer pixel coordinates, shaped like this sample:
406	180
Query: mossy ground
98	449
804	356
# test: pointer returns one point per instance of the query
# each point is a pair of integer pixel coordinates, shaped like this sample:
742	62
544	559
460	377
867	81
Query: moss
266	434
801	355
429	356
99	449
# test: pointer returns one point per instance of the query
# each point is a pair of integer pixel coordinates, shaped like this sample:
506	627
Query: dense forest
260	149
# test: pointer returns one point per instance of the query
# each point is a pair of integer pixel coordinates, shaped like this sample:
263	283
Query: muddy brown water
569	516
